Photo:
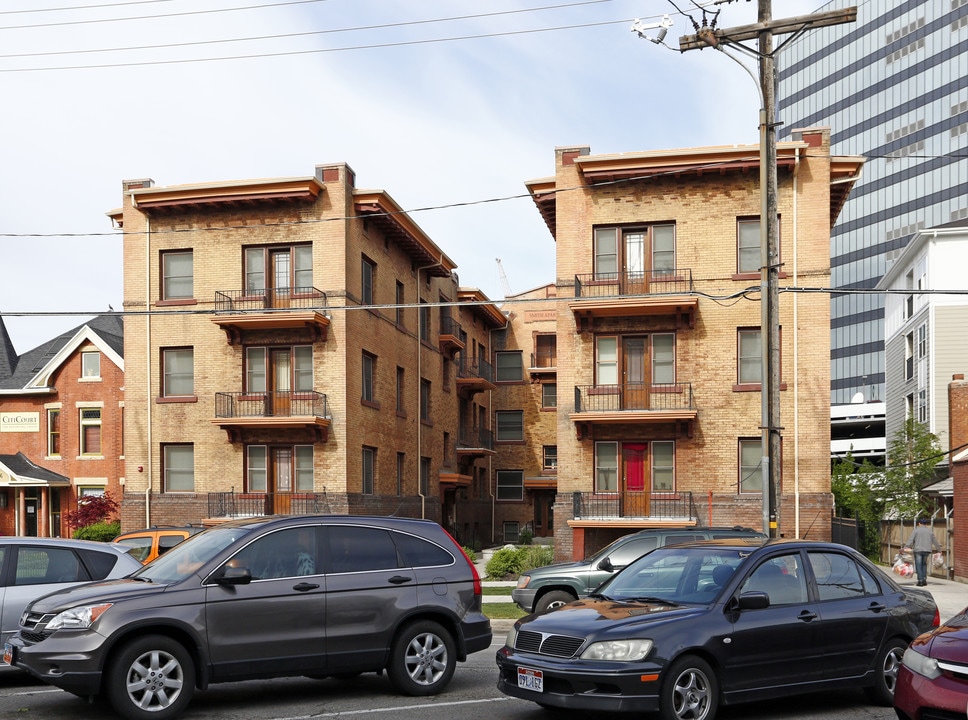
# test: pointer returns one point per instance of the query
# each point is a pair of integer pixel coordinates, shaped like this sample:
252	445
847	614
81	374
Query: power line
81	7
309	33
317	51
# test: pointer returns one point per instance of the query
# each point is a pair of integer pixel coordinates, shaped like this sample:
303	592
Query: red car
932	681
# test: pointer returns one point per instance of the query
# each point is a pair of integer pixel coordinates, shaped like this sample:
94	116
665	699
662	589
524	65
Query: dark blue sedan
688	628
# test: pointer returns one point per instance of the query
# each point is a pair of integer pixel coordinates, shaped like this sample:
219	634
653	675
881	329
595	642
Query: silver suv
552	586
263	597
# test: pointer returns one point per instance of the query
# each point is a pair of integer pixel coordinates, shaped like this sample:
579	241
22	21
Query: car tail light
477	578
937	618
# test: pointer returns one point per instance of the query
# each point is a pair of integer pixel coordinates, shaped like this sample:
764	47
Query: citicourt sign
19	422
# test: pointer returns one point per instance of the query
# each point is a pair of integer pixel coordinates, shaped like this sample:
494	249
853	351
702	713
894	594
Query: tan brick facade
701	195
334	326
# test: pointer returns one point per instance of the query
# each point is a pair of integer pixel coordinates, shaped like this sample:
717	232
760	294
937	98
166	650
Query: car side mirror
235	576
606	565
754	600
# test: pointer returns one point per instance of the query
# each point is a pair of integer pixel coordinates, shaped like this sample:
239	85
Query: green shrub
534	556
526	537
505	562
101	531
471	555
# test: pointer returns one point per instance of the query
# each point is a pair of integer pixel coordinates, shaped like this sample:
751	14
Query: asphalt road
471	696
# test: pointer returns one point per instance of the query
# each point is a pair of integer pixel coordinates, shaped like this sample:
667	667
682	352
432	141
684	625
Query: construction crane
504	277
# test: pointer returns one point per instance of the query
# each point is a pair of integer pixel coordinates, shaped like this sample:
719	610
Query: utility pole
763	31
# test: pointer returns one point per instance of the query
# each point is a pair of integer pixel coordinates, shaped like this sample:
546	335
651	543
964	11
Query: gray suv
554	585
263	597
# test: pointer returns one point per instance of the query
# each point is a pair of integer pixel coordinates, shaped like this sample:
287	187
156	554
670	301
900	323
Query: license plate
9	654
530	679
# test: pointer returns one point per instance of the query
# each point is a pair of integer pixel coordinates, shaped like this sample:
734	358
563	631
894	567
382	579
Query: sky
450	106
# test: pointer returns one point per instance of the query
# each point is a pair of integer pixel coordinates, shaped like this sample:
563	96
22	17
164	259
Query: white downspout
148	463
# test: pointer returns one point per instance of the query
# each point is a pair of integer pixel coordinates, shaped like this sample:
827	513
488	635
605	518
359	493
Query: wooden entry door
280	370
635	373
280	264
280	480
635	490
636	268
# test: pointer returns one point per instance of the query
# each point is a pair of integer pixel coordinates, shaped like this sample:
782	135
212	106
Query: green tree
858	494
912	456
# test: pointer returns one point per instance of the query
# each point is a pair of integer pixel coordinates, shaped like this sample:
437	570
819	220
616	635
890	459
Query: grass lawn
503	611
487	590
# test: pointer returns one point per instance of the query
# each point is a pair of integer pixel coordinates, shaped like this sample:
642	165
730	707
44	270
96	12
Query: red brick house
61	426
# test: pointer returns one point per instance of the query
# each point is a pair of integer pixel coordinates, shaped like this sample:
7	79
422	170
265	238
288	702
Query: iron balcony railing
256	504
475	368
278	403
286	298
474	438
634	504
449	326
656	397
634	282
544	359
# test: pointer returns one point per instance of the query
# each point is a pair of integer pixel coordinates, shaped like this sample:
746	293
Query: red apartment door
635	494
635	265
280	262
280	480
280	370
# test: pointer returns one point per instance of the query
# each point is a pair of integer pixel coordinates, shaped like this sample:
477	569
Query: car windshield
191	554
681	575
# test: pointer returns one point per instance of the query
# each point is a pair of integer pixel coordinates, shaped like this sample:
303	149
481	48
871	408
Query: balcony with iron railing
474	442
635	294
634	403
677	507
289	308
232	504
451	335
544	361
278	409
475	375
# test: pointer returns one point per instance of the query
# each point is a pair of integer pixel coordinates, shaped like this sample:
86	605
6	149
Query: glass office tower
893	87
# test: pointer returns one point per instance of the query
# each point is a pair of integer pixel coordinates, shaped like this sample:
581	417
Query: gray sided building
893	87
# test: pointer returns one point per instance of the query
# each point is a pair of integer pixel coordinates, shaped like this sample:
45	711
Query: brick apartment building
61	426
300	345
658	337
526	466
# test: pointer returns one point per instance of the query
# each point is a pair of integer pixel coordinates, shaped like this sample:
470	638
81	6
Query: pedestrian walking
922	543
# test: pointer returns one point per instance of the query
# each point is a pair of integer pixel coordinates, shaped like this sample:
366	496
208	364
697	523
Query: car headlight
78	618
618	650
523	581
921	664
512	637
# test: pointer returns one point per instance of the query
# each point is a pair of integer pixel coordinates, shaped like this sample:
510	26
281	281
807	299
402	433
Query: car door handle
304	586
807	616
399	579
876	607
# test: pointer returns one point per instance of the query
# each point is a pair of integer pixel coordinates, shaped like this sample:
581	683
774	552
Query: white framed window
510	366
664	358
510	485
606	467
663	466
90	436
750	360
303	468
368	276
90	365
369	373
549	395
53	432
178	468
177	269
179	372
257	468
510	425
750	465
606	361
549	458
